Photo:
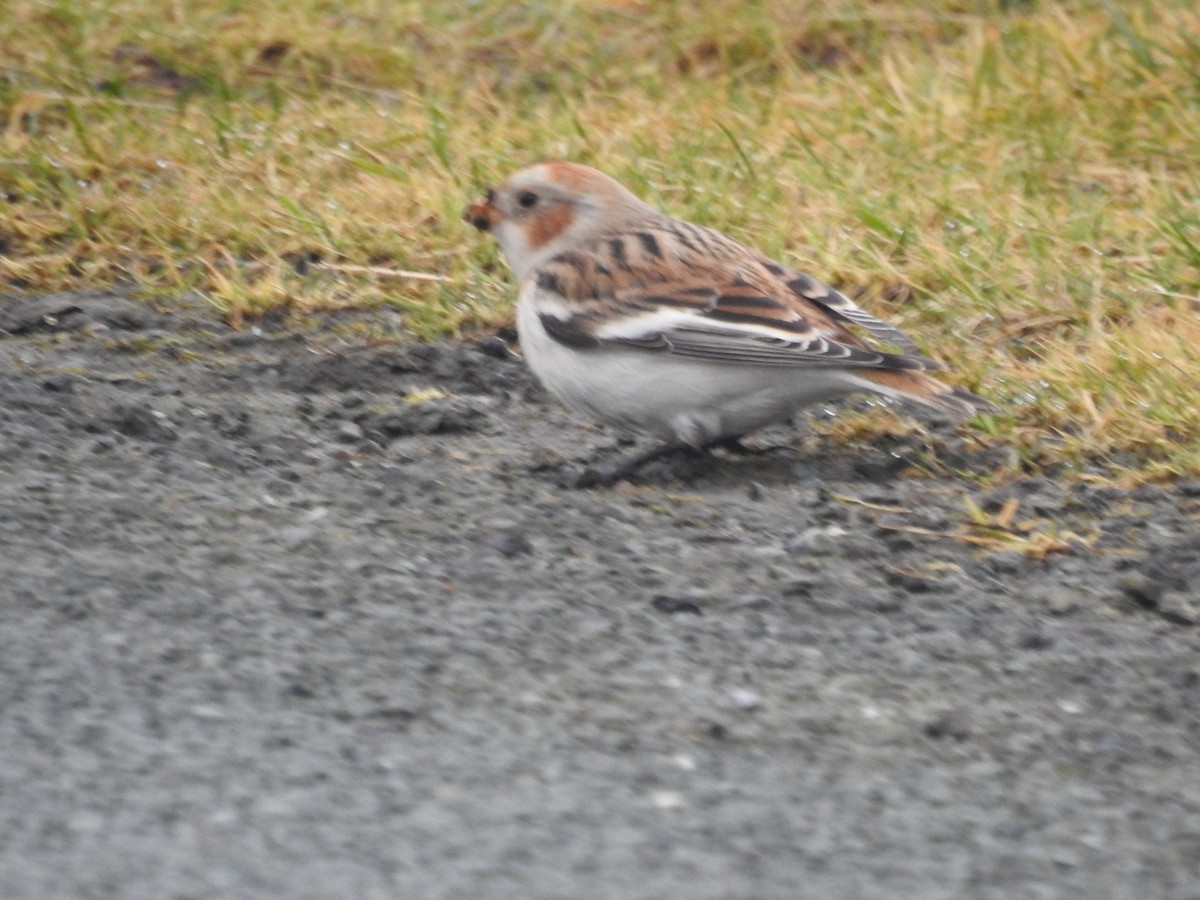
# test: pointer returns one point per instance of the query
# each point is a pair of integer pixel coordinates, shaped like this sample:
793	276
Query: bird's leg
606	475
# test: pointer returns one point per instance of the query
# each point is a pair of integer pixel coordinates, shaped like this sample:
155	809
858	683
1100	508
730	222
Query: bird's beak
483	213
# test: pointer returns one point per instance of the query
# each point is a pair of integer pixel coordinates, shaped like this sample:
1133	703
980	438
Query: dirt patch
285	616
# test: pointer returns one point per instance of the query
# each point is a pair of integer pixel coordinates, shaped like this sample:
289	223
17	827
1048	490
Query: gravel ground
289	618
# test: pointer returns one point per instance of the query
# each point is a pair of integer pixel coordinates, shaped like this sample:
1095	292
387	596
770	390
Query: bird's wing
807	289
721	303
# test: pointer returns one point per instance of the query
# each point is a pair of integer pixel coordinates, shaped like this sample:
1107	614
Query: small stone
951	724
915	582
1035	640
752	601
745	700
143	423
819	540
883	467
59	384
802	586
684	762
1143	589
1061	602
296	536
672	605
667	800
513	544
495	347
1007	562
1178	607
349	433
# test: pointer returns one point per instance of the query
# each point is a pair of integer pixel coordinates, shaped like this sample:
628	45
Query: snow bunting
676	330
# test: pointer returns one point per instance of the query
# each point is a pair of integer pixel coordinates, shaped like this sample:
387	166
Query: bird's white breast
674	397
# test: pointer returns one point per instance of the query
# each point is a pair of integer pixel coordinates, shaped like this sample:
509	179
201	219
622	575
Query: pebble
349	433
513	544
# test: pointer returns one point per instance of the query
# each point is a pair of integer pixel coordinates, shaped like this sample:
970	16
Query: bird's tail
927	391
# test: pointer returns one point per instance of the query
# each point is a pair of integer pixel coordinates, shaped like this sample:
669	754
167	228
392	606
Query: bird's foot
610	474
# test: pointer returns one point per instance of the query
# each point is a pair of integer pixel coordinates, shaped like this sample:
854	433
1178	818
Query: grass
1019	183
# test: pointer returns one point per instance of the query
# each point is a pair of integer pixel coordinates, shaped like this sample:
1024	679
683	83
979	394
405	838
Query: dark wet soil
289	615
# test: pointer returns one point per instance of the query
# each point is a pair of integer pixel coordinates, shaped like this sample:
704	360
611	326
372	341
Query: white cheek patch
522	257
516	251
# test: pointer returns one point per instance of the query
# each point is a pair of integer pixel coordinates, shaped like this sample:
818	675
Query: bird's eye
528	199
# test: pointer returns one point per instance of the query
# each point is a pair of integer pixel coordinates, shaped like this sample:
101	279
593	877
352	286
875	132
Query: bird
673	329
